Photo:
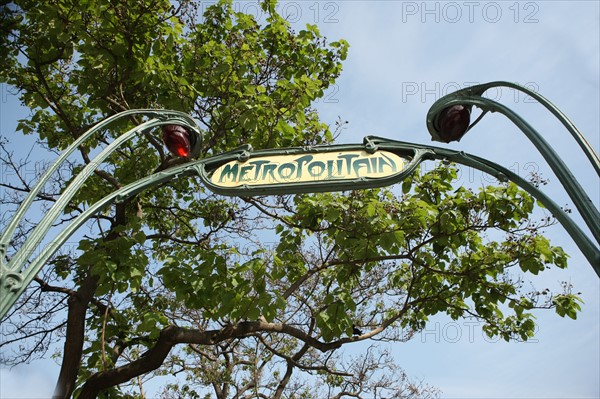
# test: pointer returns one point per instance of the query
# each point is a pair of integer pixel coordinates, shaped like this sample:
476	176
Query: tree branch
173	335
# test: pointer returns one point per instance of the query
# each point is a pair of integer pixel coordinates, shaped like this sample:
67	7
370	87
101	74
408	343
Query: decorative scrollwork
11	282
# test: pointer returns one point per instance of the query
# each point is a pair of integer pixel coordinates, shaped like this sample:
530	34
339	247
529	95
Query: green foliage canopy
181	280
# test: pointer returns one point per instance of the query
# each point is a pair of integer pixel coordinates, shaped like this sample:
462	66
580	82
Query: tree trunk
78	305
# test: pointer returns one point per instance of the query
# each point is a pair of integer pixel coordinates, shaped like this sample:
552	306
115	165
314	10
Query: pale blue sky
403	56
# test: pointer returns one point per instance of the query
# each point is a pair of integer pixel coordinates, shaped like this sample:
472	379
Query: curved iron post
14	275
582	202
478	91
9	231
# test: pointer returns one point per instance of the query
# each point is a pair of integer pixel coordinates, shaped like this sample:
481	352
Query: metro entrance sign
307	168
316	169
377	162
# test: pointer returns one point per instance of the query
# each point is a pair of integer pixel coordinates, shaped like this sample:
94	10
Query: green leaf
406	186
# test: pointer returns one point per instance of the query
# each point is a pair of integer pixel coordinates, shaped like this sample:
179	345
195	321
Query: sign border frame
412	157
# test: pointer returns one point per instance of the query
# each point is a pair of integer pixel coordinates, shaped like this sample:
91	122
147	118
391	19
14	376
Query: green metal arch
14	280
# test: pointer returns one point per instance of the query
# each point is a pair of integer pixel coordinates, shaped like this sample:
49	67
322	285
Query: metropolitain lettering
307	168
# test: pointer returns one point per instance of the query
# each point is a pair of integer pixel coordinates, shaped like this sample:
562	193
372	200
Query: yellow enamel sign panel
307	168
